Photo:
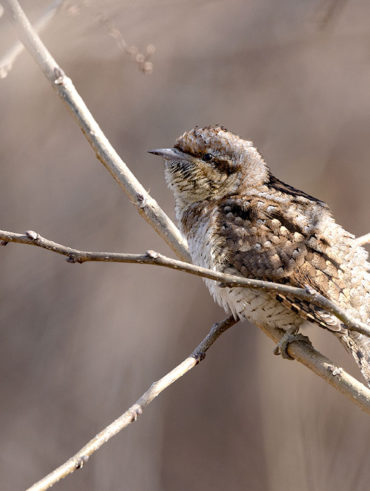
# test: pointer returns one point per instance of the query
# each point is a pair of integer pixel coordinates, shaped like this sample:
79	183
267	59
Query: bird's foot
290	336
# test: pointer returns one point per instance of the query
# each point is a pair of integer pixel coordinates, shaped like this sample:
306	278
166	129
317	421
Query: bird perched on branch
240	219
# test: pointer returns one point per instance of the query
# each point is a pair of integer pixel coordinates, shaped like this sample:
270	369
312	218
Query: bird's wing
265	242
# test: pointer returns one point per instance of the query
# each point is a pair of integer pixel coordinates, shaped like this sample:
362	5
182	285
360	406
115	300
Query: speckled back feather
240	219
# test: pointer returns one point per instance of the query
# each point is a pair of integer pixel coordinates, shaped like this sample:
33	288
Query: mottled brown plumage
240	219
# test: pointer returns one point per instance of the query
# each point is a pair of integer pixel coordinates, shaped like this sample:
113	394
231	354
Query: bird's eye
207	157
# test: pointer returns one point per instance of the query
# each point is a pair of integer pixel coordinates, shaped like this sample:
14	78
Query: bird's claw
289	337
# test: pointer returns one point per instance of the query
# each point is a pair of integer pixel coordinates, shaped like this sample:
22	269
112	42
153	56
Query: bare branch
131	415
325	368
299	350
144	203
155	216
7	61
157	259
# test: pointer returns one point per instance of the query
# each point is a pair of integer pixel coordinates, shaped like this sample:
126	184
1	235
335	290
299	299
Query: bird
238	218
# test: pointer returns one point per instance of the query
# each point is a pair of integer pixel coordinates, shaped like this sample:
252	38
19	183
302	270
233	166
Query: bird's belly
254	305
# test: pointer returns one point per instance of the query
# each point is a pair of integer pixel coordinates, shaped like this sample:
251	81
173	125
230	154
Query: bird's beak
171	154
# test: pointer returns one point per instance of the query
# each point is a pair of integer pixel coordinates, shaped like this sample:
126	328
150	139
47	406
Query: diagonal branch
305	353
321	365
63	85
157	259
131	415
8	59
155	216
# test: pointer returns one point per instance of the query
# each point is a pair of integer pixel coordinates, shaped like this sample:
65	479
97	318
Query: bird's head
211	163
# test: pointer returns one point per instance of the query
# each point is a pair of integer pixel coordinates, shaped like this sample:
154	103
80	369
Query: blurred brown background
80	343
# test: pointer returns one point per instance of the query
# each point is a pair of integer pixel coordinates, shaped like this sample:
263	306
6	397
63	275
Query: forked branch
63	85
156	217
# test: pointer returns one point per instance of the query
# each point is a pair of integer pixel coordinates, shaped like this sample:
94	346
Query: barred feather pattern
240	219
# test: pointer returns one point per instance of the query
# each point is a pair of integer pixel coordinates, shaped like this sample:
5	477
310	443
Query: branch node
310	290
59	76
136	411
199	356
152	254
81	461
336	371
31	234
73	259
142	201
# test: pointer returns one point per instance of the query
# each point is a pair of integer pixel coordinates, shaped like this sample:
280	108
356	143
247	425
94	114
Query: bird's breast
207	249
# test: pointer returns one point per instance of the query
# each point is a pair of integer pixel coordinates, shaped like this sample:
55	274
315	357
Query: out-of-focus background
80	343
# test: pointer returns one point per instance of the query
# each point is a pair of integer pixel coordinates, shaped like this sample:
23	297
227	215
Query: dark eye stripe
223	165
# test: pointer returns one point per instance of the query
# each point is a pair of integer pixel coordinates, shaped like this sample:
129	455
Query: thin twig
142	58
298	350
131	415
146	206
157	259
7	61
144	203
